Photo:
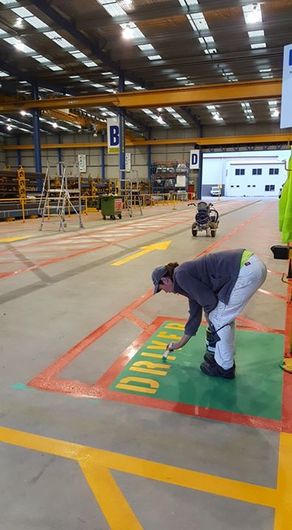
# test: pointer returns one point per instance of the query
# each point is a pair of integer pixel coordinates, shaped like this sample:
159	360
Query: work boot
215	370
209	357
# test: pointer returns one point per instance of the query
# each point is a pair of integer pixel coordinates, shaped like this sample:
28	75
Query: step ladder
132	197
56	201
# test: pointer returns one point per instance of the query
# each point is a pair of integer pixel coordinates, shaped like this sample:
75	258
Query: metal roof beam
207	141
193	95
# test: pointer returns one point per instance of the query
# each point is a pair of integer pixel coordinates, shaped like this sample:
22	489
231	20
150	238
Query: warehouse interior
117	117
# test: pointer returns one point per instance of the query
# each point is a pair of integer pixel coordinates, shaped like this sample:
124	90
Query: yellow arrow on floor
13	239
163	245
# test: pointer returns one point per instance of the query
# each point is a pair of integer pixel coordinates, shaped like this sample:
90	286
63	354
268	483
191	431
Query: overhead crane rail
248	90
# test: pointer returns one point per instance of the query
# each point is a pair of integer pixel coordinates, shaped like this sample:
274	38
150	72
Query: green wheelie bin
111	206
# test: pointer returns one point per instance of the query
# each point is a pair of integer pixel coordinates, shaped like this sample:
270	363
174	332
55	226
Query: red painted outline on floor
99	245
48	379
100	390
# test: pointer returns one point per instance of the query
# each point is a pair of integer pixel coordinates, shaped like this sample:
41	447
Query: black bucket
280	251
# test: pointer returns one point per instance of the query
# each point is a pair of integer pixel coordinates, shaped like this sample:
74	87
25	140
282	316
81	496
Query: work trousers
222	319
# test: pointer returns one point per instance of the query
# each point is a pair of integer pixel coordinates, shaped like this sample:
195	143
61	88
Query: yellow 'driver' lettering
144	385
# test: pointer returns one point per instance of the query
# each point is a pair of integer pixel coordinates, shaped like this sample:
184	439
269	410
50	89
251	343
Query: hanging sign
82	163
194	159
286	106
128	162
113	135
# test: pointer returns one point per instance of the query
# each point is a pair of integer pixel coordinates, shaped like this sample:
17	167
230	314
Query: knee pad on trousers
212	337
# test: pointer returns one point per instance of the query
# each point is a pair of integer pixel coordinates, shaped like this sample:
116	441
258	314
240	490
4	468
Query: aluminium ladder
57	200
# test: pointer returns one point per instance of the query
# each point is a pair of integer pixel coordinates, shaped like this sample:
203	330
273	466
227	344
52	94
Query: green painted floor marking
256	390
20	386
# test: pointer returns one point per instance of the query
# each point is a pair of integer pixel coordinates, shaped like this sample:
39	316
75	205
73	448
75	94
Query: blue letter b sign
114	136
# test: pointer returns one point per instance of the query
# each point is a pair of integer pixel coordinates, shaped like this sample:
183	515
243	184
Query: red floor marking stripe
51	261
115	369
252	325
93	249
287	378
232	232
275	295
140	323
59	365
196	411
100	390
276	273
288	326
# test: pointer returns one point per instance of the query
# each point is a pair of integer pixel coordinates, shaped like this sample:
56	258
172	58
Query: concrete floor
75	455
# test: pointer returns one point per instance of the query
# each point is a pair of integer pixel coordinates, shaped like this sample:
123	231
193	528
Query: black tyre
213	233
120	216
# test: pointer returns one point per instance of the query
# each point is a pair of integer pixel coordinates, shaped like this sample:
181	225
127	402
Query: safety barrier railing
26	207
10	207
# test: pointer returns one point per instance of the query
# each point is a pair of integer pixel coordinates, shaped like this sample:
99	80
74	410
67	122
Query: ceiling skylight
112	7
54	67
41	59
60	41
8	2
214	112
198	21
89	64
208	40
36	22
247	110
258	45
22	12
188	3
257	33
134	32
252	13
154	57
210	51
146	47
19	45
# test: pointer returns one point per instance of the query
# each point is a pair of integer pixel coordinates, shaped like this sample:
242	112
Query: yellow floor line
13	239
213	484
109	497
283	517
